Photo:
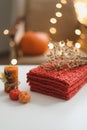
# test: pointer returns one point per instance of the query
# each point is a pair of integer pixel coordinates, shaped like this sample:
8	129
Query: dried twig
64	57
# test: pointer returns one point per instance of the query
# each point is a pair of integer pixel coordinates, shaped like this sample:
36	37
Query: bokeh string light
59	5
14	61
6	32
53	30
53	20
81	10
58	14
78	32
64	1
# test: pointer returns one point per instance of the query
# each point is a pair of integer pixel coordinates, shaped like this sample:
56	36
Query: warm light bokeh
81	10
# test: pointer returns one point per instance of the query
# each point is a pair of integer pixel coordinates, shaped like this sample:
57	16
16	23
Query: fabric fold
61	84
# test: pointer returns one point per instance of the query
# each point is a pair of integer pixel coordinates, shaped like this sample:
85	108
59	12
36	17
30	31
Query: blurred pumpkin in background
34	43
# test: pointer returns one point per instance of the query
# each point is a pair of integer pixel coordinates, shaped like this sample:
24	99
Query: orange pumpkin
34	43
24	97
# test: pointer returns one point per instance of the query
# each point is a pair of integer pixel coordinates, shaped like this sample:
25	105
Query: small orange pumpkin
24	97
34	43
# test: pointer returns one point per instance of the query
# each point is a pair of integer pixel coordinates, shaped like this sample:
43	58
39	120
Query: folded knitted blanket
61	84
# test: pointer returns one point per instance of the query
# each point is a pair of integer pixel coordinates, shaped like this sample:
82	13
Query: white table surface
43	112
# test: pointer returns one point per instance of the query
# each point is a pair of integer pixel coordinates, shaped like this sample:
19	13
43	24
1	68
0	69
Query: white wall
5	16
18	9
10	10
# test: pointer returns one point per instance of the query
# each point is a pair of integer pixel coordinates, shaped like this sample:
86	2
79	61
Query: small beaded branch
64	56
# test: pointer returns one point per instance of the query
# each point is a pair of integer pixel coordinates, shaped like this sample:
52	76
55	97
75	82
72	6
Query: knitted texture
61	84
